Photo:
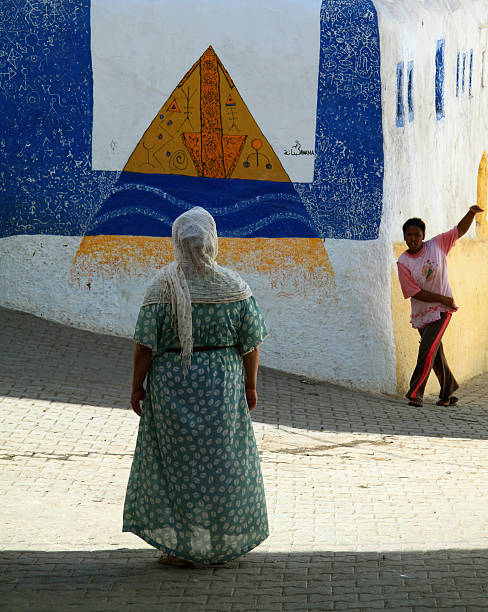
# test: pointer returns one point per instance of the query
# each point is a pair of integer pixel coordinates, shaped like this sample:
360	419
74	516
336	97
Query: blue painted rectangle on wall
400	107
439	80
458	61
410	90
470	73
464	72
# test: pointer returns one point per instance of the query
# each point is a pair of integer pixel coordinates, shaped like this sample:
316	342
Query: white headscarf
194	276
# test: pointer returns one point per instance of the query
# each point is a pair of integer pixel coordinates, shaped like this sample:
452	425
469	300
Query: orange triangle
173	107
232	146
214	136
193	144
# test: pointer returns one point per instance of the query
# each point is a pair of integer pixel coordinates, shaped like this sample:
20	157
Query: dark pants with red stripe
431	355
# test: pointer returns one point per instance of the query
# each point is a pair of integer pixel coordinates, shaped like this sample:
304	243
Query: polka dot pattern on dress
195	488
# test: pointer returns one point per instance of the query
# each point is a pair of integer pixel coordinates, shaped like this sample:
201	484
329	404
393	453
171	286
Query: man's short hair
414	221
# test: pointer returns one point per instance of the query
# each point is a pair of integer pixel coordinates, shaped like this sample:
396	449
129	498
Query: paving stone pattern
373	504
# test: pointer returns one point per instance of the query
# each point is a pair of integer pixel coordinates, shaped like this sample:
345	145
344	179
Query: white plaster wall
36	278
309	336
346	337
430	165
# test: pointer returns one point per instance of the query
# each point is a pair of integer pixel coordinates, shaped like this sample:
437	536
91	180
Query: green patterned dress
195	489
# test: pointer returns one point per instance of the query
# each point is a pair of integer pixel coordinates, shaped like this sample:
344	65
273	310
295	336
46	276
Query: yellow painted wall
466	338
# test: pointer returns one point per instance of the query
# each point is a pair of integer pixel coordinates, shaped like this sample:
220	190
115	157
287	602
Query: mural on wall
204	147
267	222
201	140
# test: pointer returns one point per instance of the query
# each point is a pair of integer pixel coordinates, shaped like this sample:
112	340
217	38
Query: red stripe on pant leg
430	356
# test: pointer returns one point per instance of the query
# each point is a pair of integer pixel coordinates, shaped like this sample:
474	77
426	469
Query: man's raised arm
465	223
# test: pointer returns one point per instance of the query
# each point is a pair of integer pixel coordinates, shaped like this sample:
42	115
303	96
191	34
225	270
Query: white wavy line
130	210
232	208
249	229
245	230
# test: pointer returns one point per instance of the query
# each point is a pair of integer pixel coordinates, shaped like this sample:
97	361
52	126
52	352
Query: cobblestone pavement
373	504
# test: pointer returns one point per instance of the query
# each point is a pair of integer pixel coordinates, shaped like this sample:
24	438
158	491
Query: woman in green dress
195	489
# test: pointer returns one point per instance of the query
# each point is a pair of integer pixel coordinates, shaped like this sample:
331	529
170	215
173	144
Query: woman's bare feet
173	561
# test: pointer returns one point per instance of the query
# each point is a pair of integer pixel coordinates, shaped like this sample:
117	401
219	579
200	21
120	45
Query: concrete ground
373	504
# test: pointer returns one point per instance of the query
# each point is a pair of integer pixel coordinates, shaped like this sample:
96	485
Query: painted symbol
179	160
230	101
173	107
187	108
257	144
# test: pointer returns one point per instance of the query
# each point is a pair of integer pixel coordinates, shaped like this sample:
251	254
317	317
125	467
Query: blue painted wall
46	182
345	198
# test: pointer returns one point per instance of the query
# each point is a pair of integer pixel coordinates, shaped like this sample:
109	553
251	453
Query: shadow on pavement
289	400
51	362
131	579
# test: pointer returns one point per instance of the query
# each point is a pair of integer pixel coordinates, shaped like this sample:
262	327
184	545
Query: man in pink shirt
422	270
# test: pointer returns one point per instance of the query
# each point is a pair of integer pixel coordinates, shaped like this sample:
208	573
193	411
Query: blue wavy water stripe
253	227
131	210
232	208
241	231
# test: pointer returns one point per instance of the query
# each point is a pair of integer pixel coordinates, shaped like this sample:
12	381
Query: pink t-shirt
427	270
